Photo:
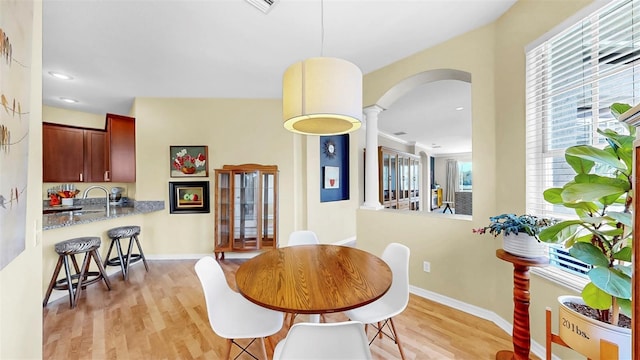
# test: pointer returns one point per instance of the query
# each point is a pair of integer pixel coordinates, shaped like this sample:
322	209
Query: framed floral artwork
188	161
189	197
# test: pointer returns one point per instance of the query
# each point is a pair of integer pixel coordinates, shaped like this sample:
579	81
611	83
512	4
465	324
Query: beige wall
463	265
73	118
21	300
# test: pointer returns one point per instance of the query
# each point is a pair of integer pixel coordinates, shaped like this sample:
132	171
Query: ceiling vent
399	133
262	5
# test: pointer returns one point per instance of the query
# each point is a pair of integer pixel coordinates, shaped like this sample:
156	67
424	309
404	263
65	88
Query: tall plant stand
521	333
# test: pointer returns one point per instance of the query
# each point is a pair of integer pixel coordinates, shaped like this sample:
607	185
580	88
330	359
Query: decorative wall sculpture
16	19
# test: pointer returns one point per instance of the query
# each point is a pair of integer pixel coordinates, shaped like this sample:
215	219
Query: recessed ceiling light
68	100
61	76
459	108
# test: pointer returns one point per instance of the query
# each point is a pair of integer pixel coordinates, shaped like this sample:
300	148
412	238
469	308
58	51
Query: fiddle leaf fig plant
602	234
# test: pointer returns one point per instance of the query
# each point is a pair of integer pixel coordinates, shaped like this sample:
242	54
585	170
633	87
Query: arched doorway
429	113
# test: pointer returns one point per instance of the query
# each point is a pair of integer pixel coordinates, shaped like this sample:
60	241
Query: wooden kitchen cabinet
246	208
62	153
95	156
121	148
75	154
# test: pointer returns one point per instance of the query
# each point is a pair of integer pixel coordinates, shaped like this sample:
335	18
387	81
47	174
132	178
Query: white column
371	159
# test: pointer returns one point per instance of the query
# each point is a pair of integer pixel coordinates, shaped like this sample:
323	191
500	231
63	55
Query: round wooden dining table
313	279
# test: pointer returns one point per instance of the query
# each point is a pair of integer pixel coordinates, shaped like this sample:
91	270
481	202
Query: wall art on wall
188	161
334	168
15	89
189	197
331	177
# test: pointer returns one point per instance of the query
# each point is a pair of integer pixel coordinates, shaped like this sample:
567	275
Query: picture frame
189	197
331	177
188	160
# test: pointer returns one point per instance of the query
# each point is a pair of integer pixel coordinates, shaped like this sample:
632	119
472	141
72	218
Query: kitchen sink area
85	211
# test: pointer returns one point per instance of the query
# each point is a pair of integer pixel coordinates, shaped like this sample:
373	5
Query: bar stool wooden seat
124	260
77	282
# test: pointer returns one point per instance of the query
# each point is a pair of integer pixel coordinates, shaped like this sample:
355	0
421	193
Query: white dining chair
340	341
231	316
296	238
303	237
380	313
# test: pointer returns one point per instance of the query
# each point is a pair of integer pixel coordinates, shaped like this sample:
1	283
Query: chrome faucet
106	193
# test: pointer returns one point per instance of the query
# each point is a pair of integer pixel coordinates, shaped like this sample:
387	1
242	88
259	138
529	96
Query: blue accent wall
341	160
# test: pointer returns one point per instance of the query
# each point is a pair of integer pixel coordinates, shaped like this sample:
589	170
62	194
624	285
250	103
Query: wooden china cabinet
399	177
246	208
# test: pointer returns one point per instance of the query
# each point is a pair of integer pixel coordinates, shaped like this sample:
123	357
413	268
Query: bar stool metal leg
125	260
109	261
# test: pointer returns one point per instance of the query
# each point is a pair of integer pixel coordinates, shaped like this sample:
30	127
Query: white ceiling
117	50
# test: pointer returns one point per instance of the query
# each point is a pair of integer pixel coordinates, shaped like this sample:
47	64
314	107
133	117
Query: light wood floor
162	315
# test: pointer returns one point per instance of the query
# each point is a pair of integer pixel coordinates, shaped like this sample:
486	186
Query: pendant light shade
322	96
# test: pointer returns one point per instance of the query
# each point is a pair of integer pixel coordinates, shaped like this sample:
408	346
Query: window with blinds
571	80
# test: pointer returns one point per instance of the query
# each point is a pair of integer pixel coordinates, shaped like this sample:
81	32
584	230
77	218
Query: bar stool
124	260
77	282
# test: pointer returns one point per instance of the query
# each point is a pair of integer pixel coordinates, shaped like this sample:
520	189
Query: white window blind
571	80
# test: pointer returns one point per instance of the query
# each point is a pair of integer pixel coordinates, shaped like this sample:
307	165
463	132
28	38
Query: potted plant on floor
601	236
519	233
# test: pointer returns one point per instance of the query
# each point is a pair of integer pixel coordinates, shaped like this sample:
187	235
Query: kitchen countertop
92	212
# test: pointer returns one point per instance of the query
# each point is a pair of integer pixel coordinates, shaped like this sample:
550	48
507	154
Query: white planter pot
583	333
523	245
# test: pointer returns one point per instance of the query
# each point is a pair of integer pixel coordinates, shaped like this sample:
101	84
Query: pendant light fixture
322	95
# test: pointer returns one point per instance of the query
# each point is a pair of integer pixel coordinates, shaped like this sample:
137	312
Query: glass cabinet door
245	209
268	209
386	177
223	210
415	177
404	177
393	171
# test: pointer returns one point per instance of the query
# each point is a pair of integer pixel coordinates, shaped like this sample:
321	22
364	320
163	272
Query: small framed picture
189	197
188	161
331	177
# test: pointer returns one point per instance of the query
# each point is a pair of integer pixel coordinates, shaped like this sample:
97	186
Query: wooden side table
521	332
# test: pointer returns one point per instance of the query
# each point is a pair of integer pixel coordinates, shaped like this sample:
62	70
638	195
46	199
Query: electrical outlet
426	266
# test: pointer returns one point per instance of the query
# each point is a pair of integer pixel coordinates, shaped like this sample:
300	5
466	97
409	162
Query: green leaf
625	306
625	269
579	165
621	217
611	281
596	298
589	254
625	254
618	109
559	232
594	154
552	195
589	192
